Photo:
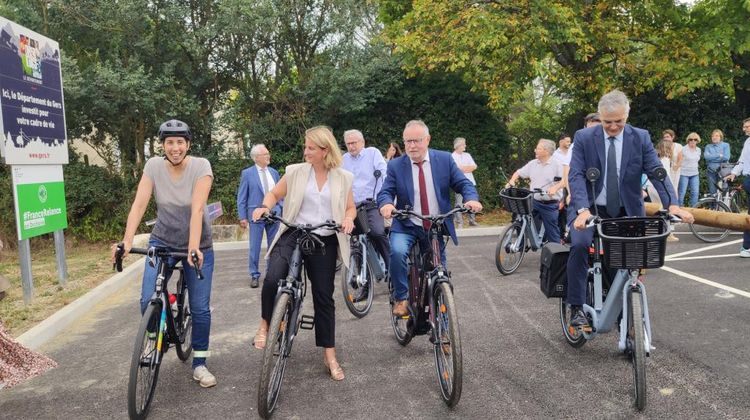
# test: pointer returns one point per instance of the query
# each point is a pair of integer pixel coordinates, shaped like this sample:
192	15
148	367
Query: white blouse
316	205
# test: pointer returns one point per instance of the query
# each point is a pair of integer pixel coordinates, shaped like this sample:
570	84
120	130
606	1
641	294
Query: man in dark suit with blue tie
622	153
421	179
256	181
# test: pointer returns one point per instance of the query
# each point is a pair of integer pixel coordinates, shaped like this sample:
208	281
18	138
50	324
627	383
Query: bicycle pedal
307	322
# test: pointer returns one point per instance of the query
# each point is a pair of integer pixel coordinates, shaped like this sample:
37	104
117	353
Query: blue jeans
746	235
685	182
713	178
256	238
401	243
199	293
549	214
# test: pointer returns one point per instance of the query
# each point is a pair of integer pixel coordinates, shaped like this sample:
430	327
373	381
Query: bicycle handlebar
594	220
407	212
156	252
271	217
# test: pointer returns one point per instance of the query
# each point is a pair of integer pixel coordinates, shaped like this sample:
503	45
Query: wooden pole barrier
718	219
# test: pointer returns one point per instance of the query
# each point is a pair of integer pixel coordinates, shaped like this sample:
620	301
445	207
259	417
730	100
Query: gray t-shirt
173	202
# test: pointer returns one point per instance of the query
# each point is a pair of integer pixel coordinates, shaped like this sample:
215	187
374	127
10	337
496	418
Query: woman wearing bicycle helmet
180	184
315	191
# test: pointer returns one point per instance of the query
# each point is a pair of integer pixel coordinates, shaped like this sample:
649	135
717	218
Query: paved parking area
517	364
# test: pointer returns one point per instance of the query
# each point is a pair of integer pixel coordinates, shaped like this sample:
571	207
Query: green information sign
40	199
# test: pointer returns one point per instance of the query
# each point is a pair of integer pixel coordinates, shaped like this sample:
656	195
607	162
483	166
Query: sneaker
204	377
362	294
672	238
578	320
744	253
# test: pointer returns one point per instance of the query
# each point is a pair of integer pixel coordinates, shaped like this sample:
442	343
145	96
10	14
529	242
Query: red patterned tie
423	195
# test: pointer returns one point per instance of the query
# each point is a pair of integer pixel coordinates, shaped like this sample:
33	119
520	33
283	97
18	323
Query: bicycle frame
293	286
605	312
166	320
531	235
372	259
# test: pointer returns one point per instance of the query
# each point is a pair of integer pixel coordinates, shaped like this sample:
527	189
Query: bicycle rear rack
307	322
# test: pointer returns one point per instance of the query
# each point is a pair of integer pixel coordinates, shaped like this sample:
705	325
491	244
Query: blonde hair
323	137
694	135
721	133
664	149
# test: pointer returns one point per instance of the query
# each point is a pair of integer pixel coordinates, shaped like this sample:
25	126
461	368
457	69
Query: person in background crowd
664	151
394	151
255	182
562	155
466	164
676	159
542	172
743	168
591	119
715	154
691	155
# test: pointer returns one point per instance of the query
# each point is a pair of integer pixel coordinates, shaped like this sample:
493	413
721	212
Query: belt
548	201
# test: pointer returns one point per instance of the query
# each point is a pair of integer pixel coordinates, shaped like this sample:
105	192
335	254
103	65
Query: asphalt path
516	361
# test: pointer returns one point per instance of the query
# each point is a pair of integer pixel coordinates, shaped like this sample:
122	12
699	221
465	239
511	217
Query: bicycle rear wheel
358	298
447	346
708	233
637	341
274	356
145	363
183	322
506	260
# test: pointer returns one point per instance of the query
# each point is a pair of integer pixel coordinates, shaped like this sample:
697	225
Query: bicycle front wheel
708	233
507	260
274	356
358	297
183	323
637	341
144	366
448	357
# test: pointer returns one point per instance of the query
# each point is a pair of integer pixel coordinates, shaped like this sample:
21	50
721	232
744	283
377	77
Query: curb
52	326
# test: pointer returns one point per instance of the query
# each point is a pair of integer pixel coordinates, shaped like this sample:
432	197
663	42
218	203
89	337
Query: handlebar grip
118	257
194	258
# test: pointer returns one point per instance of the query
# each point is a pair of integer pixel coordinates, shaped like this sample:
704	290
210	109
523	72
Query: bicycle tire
361	308
448	358
274	357
707	233
403	327
637	337
505	264
183	322
576	340
142	382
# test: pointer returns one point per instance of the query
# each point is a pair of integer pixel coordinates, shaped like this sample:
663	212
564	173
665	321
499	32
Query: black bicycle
432	309
166	321
286	319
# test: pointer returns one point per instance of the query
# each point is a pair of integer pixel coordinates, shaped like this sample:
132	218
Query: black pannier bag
552	272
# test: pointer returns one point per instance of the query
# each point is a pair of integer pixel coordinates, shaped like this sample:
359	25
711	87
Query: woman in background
394	151
715	154
691	155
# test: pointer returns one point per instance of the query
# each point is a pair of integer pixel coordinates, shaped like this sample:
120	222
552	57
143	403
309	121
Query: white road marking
707	248
701	257
707	282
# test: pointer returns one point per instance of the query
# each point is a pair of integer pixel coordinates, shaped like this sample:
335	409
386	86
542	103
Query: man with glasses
621	153
422	179
743	168
362	162
255	182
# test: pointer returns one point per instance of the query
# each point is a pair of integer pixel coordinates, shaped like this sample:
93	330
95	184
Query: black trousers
321	271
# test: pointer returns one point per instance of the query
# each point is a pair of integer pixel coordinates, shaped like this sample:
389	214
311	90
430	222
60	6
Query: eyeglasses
413	141
692	139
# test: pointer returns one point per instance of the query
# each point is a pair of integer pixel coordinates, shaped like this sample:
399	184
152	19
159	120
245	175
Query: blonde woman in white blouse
691	155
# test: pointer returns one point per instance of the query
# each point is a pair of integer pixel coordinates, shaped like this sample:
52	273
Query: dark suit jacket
638	157
399	186
250	193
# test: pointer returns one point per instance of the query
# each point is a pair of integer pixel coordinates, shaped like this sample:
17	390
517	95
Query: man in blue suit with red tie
421	179
256	181
622	153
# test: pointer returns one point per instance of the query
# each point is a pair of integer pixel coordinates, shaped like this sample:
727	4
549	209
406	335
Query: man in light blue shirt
363	162
743	168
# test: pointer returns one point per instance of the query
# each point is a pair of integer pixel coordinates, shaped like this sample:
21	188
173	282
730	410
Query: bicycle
286	320
526	232
432	309
366	266
726	199
166	321
630	245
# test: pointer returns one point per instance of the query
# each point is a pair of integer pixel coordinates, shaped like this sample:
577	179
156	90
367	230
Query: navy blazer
638	157
250	193
399	186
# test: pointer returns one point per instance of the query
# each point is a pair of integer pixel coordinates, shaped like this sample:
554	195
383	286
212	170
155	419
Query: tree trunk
717	219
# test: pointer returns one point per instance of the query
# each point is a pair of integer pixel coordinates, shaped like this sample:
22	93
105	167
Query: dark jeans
321	271
578	260
377	234
746	235
549	213
713	178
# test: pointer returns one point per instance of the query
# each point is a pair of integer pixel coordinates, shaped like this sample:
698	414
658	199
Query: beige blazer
340	183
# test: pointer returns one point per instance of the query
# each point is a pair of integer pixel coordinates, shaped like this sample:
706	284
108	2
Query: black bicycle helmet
175	128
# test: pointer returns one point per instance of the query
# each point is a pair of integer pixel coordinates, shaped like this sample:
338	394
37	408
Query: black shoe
254	282
362	295
578	319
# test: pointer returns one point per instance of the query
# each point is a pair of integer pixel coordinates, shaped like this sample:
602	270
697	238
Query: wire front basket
517	200
634	243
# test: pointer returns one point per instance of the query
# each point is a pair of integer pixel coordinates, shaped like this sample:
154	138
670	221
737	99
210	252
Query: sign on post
39	194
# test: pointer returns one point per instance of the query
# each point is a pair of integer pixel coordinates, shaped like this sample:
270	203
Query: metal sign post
24	253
